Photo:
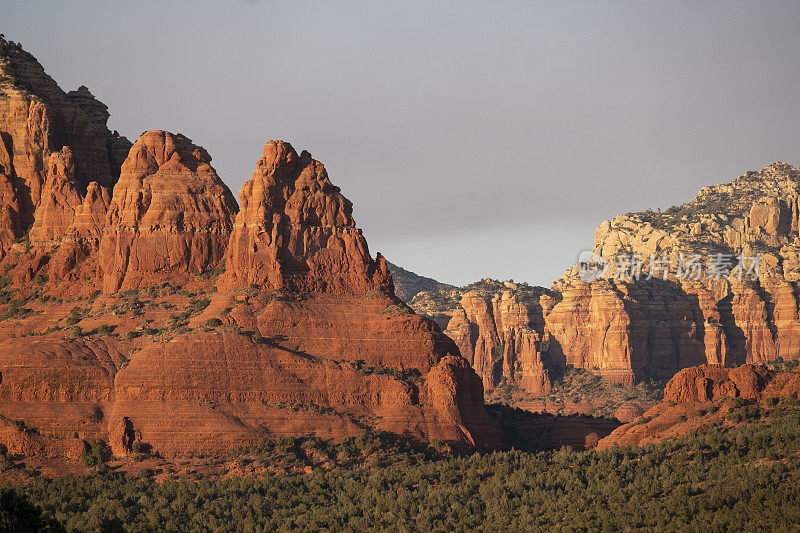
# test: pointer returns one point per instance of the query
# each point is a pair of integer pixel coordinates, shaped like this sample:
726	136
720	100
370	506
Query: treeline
744	478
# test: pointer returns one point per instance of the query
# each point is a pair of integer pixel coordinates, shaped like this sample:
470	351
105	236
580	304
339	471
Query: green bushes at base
745	478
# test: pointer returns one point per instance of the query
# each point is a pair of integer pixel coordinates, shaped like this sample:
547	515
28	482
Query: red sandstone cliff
142	304
498	337
170	214
295	231
672	322
629	330
54	145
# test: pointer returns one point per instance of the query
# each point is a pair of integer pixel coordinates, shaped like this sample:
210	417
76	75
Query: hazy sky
475	139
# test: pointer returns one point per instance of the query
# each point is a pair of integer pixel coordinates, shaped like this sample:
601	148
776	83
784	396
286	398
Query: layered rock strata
740	303
499	338
54	145
295	231
170	214
137	302
674	294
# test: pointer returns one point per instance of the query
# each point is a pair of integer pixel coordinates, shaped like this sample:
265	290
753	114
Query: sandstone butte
139	301
626	330
698	397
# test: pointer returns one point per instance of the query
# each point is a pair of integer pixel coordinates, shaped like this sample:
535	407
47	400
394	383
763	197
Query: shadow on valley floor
524	430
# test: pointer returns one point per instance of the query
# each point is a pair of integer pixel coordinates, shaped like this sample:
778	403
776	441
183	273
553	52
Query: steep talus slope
138	302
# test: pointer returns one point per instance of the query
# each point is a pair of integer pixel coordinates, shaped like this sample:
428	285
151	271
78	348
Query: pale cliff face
628	330
712	317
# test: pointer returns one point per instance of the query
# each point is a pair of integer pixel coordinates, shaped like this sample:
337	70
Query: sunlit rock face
170	214
149	307
295	231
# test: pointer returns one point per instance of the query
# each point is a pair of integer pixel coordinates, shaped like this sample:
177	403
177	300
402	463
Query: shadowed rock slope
407	284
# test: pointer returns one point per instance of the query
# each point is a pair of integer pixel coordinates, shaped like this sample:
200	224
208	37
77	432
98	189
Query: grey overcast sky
475	139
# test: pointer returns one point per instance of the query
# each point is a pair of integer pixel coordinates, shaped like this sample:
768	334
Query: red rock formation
340	352
37	118
295	231
782	318
483	343
628	330
455	391
311	339
498	339
591	328
90	216
535	377
54	145
170	214
60	387
60	198
20	440
324	365
11	218
711	383
513	325
461	331
183	401
690	395
371	328
676	323
522	358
